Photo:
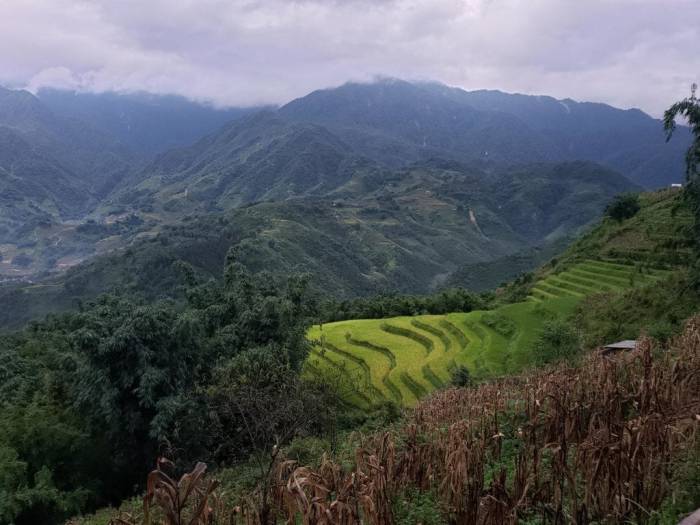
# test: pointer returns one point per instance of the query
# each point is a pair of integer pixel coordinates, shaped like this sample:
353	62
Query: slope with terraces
403	358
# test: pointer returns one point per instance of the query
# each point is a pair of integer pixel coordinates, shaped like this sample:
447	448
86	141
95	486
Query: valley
306	149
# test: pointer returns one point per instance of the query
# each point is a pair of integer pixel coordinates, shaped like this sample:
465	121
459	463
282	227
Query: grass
403	358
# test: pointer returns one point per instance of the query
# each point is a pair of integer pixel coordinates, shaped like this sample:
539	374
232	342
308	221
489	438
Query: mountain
316	143
52	168
62	153
393	120
382	230
84	175
145	123
34	188
95	159
255	158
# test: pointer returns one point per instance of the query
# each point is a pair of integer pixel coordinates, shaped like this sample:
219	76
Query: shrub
461	376
556	341
499	323
623	207
413	507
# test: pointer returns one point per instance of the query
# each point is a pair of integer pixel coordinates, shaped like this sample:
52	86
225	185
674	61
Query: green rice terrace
401	359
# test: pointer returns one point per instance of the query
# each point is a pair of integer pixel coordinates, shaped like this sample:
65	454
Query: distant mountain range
411	120
415	180
146	124
315	144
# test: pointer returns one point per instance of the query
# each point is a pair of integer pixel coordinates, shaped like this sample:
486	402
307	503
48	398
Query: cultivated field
403	358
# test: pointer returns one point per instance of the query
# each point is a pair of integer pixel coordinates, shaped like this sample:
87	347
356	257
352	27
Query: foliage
689	108
89	398
403	358
393	305
686	488
182	502
556	340
461	376
623	207
517	448
359	248
658	236
413	507
609	463
499	323
660	310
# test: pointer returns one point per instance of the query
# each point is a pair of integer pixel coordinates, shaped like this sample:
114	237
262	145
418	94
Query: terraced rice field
591	277
403	358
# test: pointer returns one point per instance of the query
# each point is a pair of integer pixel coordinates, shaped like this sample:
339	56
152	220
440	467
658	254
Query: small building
621	346
676	185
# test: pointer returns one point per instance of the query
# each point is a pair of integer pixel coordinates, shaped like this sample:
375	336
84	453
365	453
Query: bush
461	376
499	323
557	340
623	207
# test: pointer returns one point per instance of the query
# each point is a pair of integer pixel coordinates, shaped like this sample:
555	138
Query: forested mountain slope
480	175
96	159
382	231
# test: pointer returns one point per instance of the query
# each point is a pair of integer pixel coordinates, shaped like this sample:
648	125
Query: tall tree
689	109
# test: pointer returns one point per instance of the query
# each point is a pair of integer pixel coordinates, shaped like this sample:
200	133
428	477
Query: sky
628	53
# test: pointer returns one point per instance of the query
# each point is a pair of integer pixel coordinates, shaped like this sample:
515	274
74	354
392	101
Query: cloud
630	53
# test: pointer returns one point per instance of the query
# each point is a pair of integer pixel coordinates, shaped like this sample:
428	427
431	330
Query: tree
88	399
689	109
556	341
623	207
134	367
256	405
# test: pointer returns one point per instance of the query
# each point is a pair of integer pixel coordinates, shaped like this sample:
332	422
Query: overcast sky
629	53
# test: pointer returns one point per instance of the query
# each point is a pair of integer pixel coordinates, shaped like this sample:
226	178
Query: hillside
393	121
62	153
83	175
613	441
403	359
52	169
260	157
660	233
315	143
95	159
403	231
116	374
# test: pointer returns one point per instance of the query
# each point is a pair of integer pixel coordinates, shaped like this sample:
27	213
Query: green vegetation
689	108
402	358
122	380
623	207
401	233
89	399
245	370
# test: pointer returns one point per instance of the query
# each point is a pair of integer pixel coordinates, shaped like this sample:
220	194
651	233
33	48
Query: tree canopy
90	398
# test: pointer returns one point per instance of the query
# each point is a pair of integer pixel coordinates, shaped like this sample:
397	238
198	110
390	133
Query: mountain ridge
327	145
404	230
